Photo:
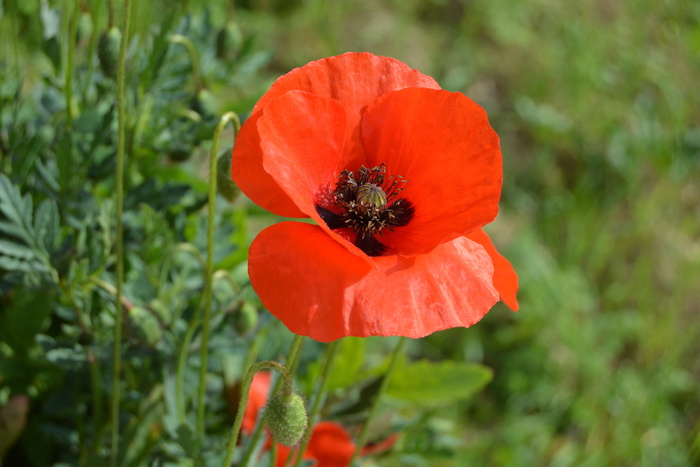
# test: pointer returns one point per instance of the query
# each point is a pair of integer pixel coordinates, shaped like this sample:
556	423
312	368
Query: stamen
367	203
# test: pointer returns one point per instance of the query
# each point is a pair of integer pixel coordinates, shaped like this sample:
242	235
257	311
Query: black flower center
367	201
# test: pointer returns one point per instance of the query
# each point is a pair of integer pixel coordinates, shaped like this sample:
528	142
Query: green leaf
347	364
15	250
27	245
17	209
46	226
437	382
24	318
67	358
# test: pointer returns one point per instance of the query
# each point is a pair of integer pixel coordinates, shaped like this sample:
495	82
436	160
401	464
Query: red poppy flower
331	446
399	177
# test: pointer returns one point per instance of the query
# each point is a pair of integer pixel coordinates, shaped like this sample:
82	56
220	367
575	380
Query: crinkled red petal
302	138
441	142
353	79
250	176
505	278
317	288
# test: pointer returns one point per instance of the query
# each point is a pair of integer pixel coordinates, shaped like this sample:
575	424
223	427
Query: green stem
110	14
251	447
121	146
15	37
95	15
209	270
68	85
292	364
247	380
95	378
318	397
194	59
180	371
295	353
273	454
373	410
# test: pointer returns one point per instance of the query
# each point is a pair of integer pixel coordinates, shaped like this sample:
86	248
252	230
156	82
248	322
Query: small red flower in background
331	446
399	176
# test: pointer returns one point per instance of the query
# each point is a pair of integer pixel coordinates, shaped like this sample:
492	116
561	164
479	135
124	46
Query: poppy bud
204	103
84	27
245	318
285	416
180	152
108	51
146	325
228	40
224	184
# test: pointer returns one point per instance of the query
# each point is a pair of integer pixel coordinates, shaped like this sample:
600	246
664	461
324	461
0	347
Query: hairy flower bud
224	184
245	318
286	418
205	103
228	41
108	51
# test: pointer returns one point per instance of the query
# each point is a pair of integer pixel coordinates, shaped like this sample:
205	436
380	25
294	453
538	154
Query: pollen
367	202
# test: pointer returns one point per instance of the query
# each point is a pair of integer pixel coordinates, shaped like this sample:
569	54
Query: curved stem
209	270
247	380
224	274
292	364
121	146
373	410
318	397
194	60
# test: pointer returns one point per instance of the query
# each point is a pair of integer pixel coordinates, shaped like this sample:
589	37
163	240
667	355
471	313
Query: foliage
596	108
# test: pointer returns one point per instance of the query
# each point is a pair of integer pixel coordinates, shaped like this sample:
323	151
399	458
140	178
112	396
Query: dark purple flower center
367	201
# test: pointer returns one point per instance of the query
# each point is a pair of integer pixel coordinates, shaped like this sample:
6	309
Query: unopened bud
224	183
228	41
245	318
205	104
286	418
108	51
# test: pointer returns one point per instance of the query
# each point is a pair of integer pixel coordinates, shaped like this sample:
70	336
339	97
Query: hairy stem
209	269
245	389
318	397
121	146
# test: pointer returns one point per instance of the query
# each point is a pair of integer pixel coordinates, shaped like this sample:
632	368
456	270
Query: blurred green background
597	104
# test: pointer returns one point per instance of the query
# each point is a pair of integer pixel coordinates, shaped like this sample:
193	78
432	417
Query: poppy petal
441	142
302	137
302	147
250	176
331	445
505	278
353	79
319	289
